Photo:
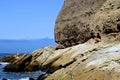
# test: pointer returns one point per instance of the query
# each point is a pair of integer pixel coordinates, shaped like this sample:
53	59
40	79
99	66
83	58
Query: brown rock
79	18
10	58
88	62
19	64
30	62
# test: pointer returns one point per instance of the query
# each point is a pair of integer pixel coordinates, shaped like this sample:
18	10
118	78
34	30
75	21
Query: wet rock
10	58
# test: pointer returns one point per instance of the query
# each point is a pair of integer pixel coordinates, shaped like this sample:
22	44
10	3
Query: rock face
88	62
79	18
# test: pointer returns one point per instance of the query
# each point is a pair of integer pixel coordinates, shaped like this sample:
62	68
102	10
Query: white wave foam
4	63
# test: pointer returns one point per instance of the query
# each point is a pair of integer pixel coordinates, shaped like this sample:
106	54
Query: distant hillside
24	46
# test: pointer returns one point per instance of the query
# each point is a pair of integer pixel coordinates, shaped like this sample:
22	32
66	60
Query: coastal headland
80	54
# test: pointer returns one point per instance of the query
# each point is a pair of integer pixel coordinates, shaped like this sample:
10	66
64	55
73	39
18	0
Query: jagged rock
24	63
79	18
10	58
17	65
31	62
7	59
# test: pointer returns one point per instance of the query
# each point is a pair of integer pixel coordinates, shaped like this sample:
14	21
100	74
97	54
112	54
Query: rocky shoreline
73	62
79	55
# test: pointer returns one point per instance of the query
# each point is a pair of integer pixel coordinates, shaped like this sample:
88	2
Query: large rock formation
88	61
76	23
79	18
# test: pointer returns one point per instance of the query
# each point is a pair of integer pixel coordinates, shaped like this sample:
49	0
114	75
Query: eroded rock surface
79	18
30	62
88	62
10	58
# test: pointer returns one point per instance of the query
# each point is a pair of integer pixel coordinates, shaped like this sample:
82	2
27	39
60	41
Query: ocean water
17	75
24	46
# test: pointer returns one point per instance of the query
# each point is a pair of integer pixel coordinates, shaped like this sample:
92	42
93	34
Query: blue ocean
17	75
24	46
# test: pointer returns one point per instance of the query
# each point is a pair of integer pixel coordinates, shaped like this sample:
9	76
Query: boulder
79	18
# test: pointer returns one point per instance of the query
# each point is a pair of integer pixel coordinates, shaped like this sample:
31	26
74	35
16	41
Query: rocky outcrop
10	58
31	62
88	62
19	64
79	18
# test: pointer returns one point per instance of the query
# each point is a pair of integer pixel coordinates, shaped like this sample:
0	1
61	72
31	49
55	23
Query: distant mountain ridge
24	45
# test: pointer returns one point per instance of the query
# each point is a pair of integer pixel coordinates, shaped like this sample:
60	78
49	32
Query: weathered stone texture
79	18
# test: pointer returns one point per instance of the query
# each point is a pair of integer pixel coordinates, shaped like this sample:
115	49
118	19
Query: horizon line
24	38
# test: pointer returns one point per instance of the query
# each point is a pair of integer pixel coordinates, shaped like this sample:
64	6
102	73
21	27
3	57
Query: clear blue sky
28	19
